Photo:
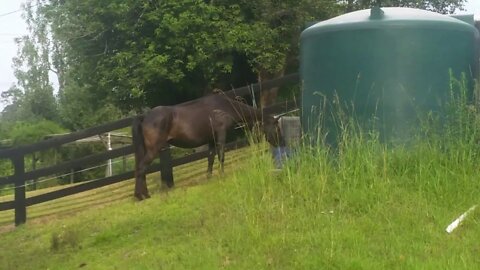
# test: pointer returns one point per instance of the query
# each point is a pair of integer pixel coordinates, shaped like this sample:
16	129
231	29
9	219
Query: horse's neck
244	113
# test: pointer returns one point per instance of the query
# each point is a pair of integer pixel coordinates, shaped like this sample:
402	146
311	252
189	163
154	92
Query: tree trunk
350	5
268	96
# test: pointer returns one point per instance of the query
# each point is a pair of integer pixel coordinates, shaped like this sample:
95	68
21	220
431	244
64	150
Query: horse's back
205	101
159	116
192	123
185	125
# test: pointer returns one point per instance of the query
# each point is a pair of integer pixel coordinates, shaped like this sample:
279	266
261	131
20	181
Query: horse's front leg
166	168
211	159
221	137
221	121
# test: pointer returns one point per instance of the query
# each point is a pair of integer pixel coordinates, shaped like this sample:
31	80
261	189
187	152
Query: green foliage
33	90
76	151
64	238
6	167
367	205
129	54
37	93
371	207
32	97
27	133
132	53
81	108
440	6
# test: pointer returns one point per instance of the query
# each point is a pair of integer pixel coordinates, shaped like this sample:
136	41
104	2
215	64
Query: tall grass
364	204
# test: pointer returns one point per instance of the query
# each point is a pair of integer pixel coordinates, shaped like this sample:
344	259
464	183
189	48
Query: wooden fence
20	176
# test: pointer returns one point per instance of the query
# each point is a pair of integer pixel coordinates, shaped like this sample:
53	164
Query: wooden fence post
72	176
19	180
34	167
166	167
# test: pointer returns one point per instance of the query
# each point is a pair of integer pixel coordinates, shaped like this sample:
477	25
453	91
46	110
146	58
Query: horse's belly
190	138
190	132
186	143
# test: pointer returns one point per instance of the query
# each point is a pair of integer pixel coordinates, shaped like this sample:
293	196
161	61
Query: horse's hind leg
141	190
140	178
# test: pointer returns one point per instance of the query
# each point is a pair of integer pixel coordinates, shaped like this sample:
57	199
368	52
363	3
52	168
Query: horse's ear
276	118
217	91
240	99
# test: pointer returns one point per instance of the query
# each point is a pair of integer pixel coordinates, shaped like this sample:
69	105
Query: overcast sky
12	25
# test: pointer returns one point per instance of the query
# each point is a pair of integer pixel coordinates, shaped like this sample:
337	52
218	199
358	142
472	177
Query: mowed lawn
185	175
368	207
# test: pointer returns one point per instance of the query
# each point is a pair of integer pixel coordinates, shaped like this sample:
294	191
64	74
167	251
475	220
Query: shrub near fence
20	176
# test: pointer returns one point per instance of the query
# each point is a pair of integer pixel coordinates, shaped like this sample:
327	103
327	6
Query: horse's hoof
141	196
138	196
166	185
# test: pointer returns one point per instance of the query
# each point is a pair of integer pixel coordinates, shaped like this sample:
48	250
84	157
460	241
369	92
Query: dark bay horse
192	124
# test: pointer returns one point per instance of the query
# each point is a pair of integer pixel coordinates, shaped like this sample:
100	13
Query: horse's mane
239	101
237	104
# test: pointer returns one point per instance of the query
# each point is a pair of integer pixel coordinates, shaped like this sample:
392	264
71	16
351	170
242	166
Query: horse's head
273	133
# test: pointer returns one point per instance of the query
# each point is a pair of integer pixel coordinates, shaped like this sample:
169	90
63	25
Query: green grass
364	205
370	207
185	175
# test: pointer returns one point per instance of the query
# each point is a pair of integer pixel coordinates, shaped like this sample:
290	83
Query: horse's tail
137	138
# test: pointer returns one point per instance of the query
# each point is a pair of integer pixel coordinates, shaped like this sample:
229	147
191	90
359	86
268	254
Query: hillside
367	207
185	175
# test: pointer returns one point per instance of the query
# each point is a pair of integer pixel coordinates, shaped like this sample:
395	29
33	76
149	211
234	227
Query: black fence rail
20	176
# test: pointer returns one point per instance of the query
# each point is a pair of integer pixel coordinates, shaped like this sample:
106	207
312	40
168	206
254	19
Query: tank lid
468	18
390	16
376	13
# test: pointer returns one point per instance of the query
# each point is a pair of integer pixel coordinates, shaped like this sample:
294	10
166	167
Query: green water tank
384	66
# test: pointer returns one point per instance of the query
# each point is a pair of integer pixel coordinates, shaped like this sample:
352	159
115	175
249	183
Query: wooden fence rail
65	166
257	87
68	138
20	176
114	179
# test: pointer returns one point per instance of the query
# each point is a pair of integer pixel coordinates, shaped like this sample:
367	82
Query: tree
22	133
30	132
440	6
31	72
32	96
170	51
130	51
15	109
129	54
269	34
79	108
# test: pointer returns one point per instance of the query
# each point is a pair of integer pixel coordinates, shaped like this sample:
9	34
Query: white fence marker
109	148
457	221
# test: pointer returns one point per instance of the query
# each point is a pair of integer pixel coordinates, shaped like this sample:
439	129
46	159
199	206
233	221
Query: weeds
64	238
365	204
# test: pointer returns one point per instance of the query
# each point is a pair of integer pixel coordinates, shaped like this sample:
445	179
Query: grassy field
370	207
186	175
366	205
